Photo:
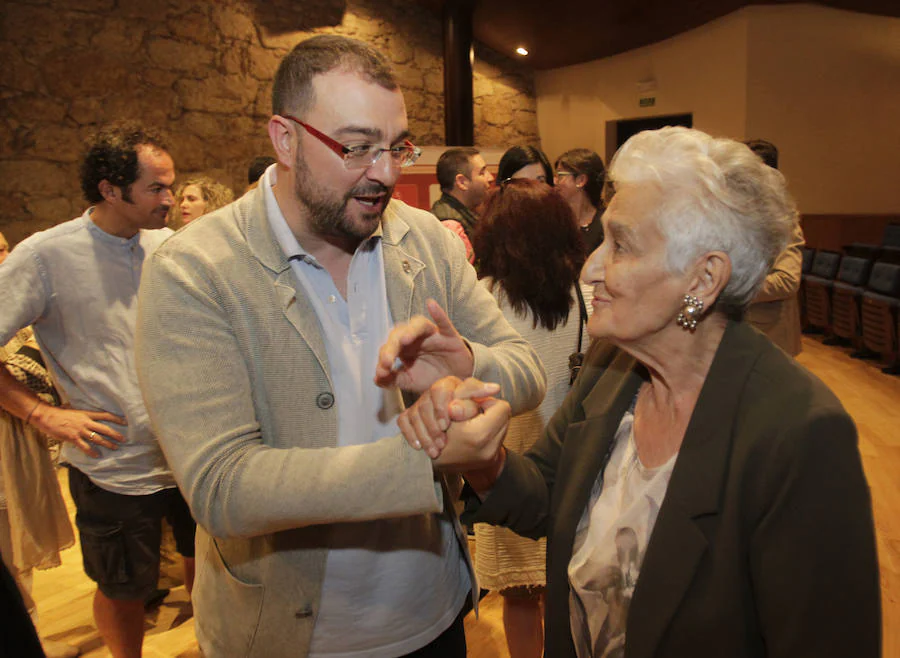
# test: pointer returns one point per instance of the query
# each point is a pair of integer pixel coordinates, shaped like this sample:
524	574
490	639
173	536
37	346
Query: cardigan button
325	400
304	613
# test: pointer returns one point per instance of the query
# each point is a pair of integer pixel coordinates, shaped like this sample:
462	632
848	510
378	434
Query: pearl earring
691	308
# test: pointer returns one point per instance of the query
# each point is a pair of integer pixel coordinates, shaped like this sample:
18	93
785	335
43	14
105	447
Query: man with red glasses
313	307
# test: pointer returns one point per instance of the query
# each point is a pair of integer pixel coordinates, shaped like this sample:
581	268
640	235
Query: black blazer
764	545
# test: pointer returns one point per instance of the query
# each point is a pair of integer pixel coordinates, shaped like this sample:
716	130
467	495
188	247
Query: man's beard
329	216
156	219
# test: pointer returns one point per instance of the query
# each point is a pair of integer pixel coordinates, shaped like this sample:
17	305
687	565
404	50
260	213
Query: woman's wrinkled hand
450	399
462	428
474	445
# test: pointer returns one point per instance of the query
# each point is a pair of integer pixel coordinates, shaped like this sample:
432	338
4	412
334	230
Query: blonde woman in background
200	195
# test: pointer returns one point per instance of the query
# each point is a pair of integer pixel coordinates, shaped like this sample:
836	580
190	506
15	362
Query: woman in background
530	253
201	195
525	162
580	176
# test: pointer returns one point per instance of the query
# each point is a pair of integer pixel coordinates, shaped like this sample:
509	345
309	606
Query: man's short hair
112	155
258	167
292	92
765	150
452	162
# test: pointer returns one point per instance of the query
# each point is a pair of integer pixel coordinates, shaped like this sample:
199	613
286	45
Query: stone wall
202	70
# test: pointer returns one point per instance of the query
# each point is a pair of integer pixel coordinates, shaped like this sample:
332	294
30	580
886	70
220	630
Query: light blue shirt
393	585
77	286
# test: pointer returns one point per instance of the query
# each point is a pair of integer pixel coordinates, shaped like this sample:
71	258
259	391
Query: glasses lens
361	158
402	156
399	155
410	155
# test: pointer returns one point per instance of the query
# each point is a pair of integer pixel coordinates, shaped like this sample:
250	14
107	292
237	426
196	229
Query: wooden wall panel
832	232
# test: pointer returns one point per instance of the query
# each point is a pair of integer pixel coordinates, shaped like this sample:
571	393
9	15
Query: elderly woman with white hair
702	493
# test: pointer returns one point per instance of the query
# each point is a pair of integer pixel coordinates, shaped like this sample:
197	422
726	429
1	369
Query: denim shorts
120	536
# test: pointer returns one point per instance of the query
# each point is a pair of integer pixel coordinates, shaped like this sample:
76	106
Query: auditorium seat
845	299
817	290
879	312
891	237
809	255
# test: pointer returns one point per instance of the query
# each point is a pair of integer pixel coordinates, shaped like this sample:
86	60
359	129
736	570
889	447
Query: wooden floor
872	398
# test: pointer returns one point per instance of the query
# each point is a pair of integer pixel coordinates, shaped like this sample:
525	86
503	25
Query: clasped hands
461	426
456	420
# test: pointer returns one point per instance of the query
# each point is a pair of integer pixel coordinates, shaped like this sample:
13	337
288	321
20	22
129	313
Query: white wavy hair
717	195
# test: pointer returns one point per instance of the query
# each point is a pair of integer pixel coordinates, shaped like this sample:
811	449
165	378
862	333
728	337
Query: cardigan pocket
228	609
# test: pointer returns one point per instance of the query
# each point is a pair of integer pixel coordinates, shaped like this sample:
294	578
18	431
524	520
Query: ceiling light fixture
521	51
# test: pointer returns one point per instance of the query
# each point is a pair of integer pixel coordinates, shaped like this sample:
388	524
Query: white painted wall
822	84
703	71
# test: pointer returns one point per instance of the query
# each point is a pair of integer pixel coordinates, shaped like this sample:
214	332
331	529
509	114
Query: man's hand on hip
81	428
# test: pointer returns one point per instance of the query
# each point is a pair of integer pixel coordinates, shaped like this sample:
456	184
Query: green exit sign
647	102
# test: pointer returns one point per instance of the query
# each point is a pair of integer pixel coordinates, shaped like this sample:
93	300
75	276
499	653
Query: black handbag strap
582	314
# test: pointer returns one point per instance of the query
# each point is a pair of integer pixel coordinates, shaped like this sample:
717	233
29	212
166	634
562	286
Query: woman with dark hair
525	162
530	253
580	175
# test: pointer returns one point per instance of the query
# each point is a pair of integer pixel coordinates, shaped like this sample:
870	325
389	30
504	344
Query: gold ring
91	436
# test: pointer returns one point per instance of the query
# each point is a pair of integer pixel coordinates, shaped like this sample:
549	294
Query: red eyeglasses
363	156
